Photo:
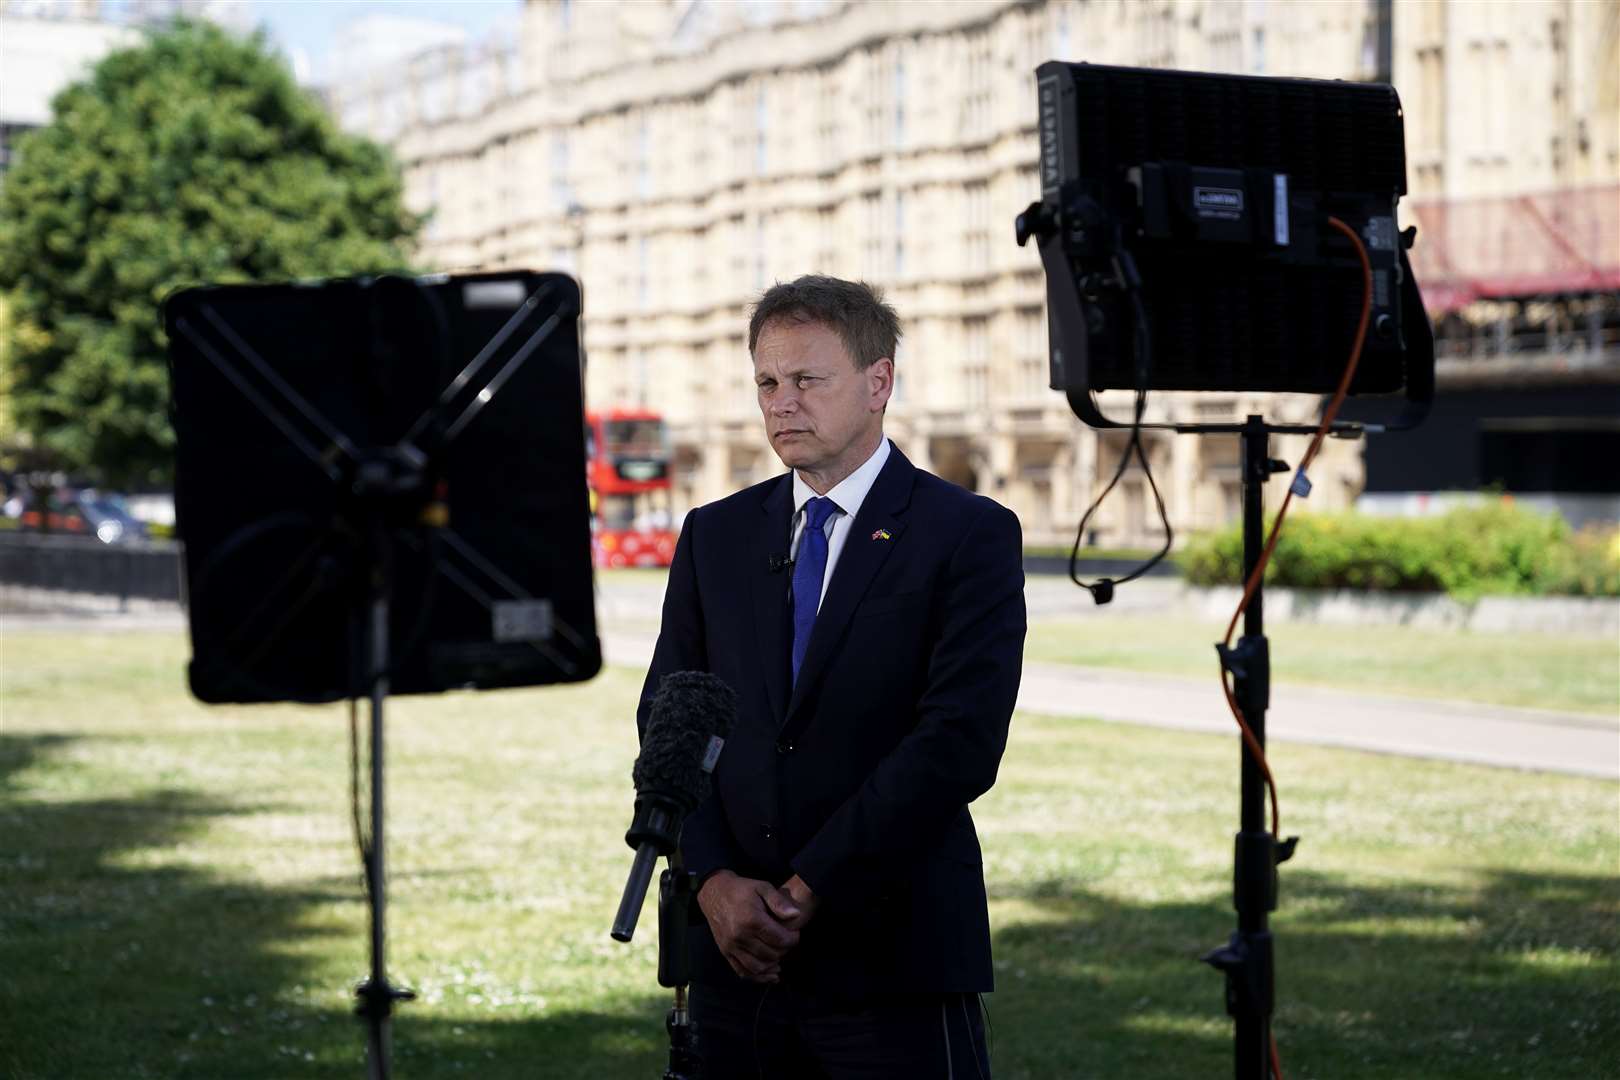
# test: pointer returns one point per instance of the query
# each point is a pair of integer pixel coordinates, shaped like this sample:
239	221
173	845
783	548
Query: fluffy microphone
692	714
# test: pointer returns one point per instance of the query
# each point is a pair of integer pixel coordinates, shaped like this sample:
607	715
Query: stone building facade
679	157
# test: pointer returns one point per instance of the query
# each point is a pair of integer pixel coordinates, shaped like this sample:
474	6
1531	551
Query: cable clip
1301	485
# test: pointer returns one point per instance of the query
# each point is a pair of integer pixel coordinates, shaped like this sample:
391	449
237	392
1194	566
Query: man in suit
870	617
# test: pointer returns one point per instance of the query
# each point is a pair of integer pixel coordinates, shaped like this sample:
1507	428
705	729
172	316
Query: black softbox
422	432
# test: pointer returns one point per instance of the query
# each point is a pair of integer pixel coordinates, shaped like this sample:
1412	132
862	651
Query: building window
872	234
899	102
736	244
643	158
826	240
977	86
899	234
977	226
759	252
827	113
874	92
639	378
643	276
976	361
1032	351
561	191
761	127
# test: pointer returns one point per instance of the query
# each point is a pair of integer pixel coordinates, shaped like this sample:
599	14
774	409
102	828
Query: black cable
1102	590
989	1029
759	1010
362	839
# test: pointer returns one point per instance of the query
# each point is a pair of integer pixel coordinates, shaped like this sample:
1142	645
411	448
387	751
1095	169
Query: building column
1181	499
714	477
917	443
1083	484
994	456
1063	487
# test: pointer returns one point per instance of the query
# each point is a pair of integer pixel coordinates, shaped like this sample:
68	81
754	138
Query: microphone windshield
690	712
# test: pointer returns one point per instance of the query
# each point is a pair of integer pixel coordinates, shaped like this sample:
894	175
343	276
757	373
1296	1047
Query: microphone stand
676	888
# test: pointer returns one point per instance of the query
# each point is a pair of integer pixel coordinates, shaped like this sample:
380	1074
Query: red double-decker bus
628	461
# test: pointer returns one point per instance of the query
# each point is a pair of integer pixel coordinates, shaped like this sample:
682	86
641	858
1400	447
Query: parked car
82	513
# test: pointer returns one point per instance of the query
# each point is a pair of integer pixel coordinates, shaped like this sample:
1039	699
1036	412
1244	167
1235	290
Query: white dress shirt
847	495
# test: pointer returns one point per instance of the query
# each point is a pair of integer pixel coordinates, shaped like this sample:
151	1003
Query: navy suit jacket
859	776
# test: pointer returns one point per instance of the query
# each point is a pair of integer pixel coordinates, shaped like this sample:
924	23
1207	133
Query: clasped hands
755	923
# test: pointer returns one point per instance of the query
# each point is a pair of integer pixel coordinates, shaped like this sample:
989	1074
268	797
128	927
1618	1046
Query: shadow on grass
1514	975
18	752
119	957
117	960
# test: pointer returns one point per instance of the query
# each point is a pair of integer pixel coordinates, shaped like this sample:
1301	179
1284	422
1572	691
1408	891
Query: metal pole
377	1056
1255	859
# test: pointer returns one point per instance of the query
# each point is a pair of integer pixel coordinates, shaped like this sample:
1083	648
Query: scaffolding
1532	278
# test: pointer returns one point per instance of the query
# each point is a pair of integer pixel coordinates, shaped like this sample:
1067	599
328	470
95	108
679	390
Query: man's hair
869	328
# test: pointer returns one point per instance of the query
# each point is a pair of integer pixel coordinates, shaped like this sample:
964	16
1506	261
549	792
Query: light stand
1248	959
376	480
1182	233
304	544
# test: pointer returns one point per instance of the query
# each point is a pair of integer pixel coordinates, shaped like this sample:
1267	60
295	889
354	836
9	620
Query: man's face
822	415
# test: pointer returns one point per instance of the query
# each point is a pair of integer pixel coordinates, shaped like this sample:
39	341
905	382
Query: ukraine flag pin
882	534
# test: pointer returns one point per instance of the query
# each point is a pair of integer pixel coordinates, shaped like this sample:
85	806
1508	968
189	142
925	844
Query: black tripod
383	513
380	478
1247	959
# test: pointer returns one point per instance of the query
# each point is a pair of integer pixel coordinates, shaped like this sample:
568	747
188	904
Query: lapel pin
882	534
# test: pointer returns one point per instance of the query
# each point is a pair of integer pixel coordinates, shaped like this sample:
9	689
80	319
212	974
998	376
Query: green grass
1548	671
179	894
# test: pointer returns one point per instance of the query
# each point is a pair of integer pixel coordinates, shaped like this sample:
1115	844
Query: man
870	617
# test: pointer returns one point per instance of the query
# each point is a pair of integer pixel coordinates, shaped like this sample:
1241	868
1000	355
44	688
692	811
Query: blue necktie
808	570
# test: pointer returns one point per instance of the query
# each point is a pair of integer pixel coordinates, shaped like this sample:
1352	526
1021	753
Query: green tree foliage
192	158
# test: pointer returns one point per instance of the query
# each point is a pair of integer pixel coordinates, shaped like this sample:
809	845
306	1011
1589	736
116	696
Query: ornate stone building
679	157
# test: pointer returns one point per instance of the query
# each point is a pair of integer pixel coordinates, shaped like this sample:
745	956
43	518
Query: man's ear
881	374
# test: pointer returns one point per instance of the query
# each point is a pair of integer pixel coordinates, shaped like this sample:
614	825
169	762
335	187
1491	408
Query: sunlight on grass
1546	671
206	856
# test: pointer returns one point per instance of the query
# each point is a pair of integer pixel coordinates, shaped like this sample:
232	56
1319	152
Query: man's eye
805	381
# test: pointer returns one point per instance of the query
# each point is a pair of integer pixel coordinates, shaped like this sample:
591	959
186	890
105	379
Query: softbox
426	433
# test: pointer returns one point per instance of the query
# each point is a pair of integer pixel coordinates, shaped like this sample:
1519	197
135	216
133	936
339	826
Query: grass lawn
1548	671
179	893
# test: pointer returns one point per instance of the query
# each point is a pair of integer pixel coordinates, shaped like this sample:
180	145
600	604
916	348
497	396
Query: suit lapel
770	592
863	556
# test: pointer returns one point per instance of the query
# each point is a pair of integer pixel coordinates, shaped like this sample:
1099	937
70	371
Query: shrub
1594	563
1492	548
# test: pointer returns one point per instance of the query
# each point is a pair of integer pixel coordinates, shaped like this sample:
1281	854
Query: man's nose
784	403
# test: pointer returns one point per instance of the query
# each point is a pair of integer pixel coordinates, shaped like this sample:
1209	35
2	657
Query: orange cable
1249	587
1253	583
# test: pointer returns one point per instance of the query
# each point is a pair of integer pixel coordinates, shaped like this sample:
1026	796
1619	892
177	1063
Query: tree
191	158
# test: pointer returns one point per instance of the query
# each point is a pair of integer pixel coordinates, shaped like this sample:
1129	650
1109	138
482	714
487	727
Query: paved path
1574	743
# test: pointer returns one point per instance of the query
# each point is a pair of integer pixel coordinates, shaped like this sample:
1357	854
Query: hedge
1495	548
